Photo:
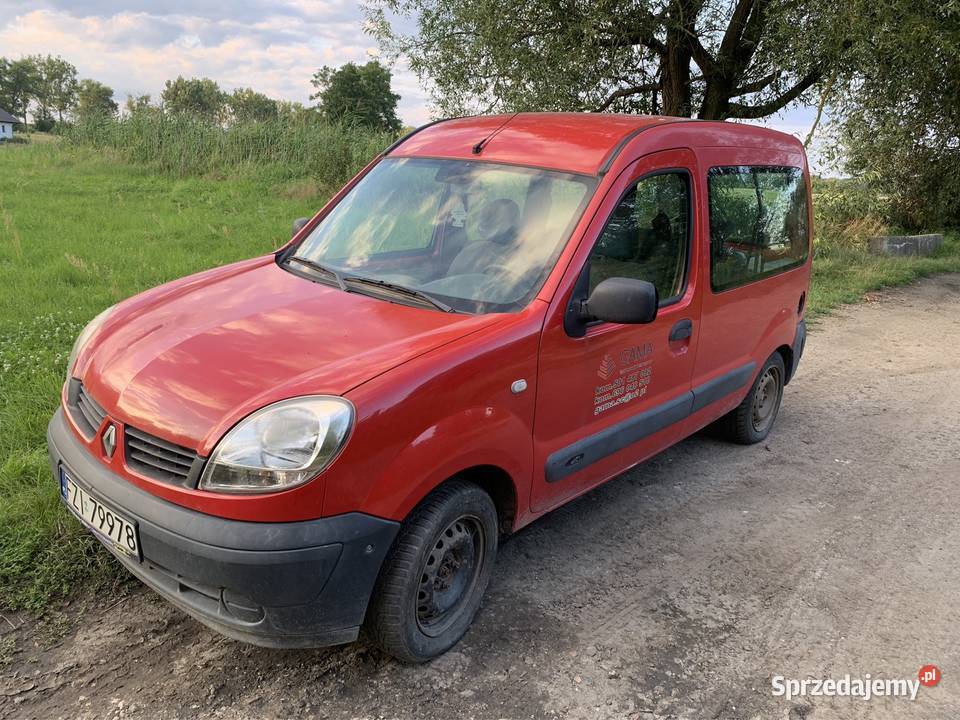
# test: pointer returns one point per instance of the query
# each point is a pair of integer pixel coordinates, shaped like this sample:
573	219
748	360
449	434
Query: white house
6	125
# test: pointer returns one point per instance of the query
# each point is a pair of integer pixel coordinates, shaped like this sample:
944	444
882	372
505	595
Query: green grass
80	229
79	232
844	275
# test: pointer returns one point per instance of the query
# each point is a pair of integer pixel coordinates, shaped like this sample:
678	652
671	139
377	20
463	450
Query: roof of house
575	142
6	117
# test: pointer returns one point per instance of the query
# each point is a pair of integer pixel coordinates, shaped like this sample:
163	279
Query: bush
845	213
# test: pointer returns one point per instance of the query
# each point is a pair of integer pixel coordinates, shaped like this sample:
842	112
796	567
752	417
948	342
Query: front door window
647	236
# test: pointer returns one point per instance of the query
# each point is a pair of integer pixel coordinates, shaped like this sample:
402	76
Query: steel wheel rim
766	399
449	574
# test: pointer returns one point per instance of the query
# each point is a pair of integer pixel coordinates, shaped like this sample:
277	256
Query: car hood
187	360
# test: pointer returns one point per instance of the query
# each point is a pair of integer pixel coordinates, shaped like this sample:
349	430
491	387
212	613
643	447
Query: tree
95	99
899	119
248	105
54	88
199	97
18	83
357	93
59	85
289	111
714	59
137	104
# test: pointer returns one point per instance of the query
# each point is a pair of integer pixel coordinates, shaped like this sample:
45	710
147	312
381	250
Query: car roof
586	143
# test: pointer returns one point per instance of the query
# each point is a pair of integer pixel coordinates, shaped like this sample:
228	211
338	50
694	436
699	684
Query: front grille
145	454
160	460
85	411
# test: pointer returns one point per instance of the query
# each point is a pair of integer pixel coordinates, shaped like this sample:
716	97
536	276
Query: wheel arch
494	480
501	488
786	352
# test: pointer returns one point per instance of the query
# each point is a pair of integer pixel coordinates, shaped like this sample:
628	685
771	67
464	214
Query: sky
272	46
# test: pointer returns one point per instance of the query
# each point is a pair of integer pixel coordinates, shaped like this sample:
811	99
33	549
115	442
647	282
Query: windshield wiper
399	290
321	268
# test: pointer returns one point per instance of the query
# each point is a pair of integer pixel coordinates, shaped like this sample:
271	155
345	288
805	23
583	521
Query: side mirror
622	300
298	225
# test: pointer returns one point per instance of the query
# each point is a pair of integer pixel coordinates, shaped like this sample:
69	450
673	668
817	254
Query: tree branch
748	112
738	21
756	85
824	98
626	92
635	37
702	56
642	30
751	35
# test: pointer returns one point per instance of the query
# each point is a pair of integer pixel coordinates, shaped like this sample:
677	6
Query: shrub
846	213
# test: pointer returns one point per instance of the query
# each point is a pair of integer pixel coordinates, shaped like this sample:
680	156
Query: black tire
751	421
434	577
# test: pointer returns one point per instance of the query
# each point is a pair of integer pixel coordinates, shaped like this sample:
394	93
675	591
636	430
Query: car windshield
472	236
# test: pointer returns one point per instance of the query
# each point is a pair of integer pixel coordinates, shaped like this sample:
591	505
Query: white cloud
798	121
272	47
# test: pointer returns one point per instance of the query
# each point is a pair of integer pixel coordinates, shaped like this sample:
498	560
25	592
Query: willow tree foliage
898	119
710	59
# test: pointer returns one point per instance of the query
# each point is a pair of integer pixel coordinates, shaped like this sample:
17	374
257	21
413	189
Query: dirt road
678	590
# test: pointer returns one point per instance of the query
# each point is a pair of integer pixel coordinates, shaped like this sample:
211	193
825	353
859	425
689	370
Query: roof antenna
478	148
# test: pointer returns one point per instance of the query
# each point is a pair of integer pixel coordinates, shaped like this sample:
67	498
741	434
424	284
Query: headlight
279	446
84	337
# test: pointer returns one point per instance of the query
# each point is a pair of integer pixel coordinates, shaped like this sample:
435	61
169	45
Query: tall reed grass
296	147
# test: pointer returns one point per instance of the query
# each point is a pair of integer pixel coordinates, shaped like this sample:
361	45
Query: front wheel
434	578
751	421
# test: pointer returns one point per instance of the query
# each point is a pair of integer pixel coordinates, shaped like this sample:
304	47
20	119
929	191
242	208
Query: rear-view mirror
298	225
622	300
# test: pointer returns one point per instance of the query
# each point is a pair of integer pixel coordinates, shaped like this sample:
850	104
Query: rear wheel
434	578
751	421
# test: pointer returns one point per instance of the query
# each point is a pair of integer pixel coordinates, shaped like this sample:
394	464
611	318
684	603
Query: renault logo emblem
109	440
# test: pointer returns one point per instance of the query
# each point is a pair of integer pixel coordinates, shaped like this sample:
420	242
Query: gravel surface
676	591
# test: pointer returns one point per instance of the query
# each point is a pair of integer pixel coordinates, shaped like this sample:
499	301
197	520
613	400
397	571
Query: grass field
79	230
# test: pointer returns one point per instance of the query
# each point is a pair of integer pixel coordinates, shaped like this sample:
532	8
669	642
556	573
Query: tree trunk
716	101
675	87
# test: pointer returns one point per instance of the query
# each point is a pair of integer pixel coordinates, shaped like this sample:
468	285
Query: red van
496	315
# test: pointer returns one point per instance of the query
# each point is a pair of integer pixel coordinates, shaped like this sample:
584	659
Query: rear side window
647	236
758	223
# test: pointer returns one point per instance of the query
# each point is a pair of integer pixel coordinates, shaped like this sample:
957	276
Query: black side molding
722	386
596	447
591	449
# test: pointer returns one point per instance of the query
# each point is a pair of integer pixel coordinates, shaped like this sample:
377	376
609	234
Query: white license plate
113	528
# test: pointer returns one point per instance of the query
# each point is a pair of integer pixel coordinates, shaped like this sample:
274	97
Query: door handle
681	331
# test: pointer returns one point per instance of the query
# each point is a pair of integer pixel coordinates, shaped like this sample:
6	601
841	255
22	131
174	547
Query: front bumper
297	584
